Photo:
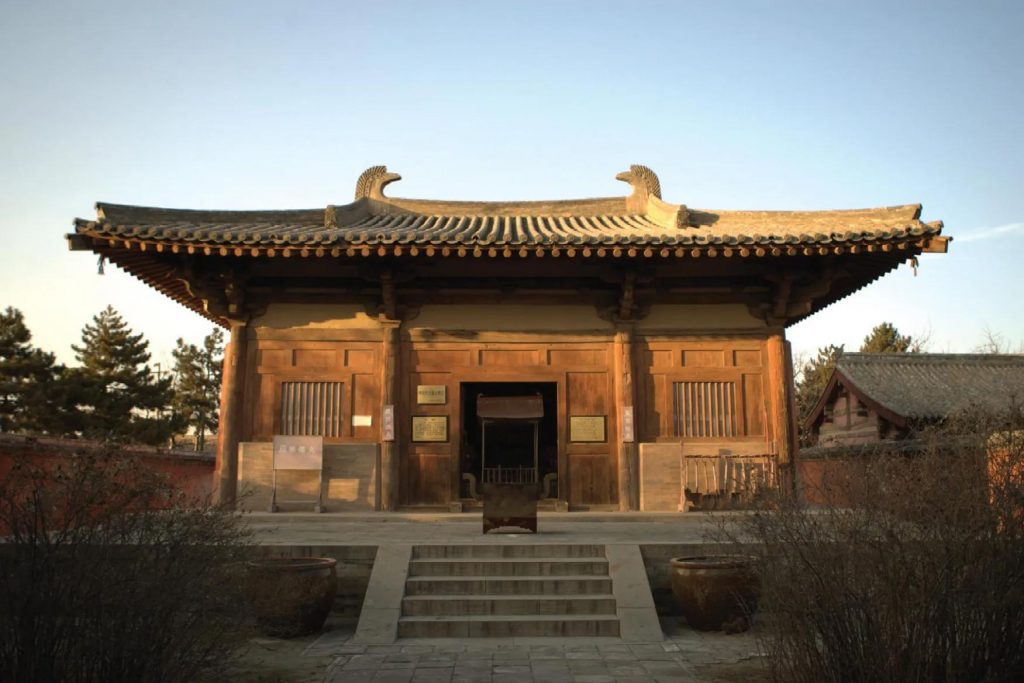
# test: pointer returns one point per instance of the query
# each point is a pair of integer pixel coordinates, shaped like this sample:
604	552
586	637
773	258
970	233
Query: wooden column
229	433
780	375
389	396
794	445
625	400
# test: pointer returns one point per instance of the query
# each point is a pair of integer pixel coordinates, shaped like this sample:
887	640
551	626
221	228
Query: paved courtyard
684	655
295	528
334	656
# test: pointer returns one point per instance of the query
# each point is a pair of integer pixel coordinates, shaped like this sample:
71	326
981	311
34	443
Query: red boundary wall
191	473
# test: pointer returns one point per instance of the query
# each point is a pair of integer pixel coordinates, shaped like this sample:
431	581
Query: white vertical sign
627	424
387	423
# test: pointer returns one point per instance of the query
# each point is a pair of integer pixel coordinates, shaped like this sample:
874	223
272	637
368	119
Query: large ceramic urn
716	592
292	596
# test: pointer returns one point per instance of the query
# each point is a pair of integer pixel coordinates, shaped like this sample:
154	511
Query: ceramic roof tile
373	219
932	385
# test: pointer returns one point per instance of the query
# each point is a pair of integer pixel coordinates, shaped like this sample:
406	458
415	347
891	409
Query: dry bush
108	574
916	574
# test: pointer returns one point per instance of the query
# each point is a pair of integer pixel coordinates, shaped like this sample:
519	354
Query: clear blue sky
772	105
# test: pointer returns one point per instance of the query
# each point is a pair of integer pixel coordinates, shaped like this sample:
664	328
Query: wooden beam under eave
936	245
77	242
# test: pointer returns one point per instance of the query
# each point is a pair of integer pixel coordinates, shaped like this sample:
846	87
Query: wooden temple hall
613	351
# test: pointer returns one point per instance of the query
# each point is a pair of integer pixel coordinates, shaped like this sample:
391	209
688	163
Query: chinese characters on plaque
586	428
298	452
431	394
430	428
627	424
387	423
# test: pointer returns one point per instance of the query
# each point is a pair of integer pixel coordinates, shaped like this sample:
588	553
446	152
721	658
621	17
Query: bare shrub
107	573
915	573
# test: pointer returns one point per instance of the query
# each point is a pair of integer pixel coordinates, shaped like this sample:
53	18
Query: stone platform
430	598
298	529
417	575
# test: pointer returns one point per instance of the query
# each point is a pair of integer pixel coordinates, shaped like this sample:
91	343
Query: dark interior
509	443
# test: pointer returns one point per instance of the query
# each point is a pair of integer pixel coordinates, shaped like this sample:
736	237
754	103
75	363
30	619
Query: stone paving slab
684	655
441	528
382	605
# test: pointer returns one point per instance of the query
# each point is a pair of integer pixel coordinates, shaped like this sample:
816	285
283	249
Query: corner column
229	432
389	396
625	402
782	417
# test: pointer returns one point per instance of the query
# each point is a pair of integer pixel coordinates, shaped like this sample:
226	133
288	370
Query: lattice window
704	409
311	409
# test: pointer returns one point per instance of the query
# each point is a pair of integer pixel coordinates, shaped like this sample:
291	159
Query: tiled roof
934	385
642	219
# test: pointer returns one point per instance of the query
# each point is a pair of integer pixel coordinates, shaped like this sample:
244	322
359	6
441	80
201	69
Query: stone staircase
508	591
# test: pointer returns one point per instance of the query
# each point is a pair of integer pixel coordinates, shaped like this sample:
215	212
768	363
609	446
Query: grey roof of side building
934	385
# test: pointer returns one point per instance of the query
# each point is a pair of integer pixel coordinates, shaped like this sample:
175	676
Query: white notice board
298	453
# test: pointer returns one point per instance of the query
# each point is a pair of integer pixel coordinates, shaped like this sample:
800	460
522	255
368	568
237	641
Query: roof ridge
893	356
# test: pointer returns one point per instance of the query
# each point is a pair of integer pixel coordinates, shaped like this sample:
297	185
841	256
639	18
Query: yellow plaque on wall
430	428
431	394
586	428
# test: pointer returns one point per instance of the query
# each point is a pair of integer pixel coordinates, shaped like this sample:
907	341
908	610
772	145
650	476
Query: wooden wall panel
316	359
754	407
654	398
704	358
265	391
440	358
365	395
739	360
361	359
509	357
275	358
428	477
276	361
587	393
423	464
661	358
743	358
592	480
577	357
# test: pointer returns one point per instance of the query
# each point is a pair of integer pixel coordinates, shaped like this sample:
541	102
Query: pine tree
197	384
813	377
119	397
885	338
27	378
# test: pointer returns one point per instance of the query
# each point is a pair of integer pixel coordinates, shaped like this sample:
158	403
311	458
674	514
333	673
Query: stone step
502	566
507	551
509	585
481	605
509	626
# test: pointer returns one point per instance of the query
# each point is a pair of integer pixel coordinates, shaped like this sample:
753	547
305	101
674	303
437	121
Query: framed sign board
387	423
298	452
430	428
431	394
587	428
627	424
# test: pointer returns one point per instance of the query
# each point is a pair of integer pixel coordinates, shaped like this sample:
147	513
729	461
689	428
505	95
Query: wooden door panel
592	480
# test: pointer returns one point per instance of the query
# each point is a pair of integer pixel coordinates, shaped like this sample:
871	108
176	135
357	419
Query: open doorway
509	444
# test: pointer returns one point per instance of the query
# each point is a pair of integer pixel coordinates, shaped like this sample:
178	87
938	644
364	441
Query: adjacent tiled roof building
880	395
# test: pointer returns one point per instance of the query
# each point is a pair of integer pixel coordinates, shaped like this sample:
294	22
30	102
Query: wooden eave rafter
140	258
911	246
